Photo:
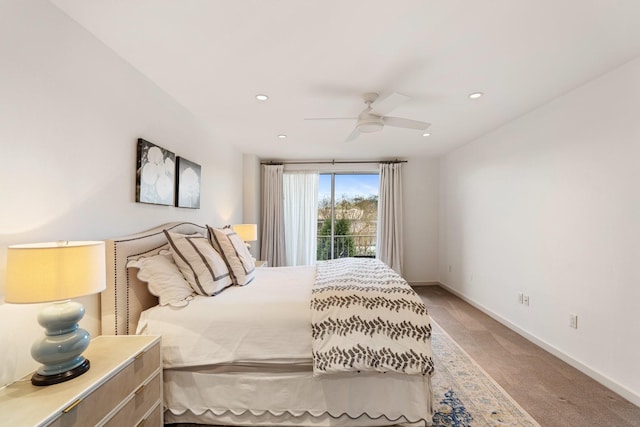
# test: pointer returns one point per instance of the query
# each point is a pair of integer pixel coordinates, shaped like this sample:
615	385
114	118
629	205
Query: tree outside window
353	217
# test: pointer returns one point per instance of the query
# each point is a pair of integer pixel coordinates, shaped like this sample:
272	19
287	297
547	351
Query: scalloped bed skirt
297	398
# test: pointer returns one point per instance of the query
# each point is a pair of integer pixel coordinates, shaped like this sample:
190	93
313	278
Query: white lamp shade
247	232
54	271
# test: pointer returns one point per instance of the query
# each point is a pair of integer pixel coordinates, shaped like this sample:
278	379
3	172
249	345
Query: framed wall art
155	174
188	183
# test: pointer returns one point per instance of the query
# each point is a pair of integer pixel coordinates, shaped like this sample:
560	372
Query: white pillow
236	254
163	278
200	264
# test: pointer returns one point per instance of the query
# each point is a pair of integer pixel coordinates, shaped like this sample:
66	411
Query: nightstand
260	264
122	387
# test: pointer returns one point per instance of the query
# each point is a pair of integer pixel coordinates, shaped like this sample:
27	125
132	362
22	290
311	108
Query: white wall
70	114
549	205
420	220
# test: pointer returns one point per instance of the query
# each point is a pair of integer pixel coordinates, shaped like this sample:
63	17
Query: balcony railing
361	245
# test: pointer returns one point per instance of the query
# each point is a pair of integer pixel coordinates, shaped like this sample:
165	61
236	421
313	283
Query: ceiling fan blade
331	118
383	106
405	123
353	135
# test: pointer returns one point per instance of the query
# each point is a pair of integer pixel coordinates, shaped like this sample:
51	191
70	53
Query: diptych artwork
155	174
164	179
188	184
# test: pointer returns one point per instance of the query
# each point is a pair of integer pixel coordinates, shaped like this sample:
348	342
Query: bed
266	371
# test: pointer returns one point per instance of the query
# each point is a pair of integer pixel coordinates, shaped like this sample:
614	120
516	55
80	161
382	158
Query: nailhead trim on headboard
120	310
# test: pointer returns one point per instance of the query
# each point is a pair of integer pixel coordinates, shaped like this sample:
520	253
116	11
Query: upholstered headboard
126	296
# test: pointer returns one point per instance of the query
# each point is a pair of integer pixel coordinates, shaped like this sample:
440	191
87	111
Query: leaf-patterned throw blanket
366	317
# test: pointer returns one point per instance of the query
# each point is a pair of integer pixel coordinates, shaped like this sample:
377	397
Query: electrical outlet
525	299
520	298
573	321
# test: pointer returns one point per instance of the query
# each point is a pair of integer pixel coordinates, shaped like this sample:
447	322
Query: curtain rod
332	162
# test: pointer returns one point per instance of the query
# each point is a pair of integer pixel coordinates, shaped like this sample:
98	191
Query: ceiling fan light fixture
368	123
369	127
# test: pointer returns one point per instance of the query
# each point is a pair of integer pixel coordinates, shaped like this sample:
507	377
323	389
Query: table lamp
56	272
247	232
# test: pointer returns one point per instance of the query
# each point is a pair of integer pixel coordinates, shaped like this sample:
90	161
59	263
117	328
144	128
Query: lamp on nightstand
247	232
56	272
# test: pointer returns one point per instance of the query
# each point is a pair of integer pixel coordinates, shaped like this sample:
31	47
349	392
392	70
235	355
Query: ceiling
317	59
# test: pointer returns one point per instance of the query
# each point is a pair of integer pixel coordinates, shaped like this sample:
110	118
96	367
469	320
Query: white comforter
241	325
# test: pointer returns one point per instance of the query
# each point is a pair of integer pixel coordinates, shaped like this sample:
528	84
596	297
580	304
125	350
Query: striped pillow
235	253
202	267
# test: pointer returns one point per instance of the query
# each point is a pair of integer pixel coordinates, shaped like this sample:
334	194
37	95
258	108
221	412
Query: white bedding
210	331
297	399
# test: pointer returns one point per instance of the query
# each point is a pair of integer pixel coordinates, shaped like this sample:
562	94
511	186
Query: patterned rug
465	395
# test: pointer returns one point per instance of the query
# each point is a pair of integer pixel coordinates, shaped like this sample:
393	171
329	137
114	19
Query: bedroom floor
553	392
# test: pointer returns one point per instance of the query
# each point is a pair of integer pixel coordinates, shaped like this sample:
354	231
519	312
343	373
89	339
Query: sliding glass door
347	215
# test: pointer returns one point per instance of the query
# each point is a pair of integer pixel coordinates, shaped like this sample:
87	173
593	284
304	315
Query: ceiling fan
374	117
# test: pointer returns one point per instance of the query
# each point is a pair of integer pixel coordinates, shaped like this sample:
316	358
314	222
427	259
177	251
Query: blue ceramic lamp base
60	350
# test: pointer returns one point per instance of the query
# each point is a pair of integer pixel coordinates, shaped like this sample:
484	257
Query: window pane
355	216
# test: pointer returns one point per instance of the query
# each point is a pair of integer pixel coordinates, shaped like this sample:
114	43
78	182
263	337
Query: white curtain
390	216
272	248
301	217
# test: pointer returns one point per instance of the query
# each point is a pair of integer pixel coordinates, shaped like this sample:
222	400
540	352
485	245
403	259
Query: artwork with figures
155	173
188	183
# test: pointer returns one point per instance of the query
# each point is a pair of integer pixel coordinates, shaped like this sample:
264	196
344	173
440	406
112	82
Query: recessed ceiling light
426	134
475	95
282	136
261	97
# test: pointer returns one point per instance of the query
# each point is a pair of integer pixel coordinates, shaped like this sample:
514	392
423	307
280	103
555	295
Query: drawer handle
139	355
141	423
140	389
70	407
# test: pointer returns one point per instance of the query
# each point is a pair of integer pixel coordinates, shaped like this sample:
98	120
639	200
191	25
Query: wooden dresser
123	387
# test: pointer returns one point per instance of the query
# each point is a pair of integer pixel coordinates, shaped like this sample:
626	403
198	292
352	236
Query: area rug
465	395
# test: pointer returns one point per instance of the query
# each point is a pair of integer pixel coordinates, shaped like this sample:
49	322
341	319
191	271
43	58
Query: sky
348	185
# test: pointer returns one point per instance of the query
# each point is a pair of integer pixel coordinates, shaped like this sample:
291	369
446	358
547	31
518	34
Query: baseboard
434	283
585	369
